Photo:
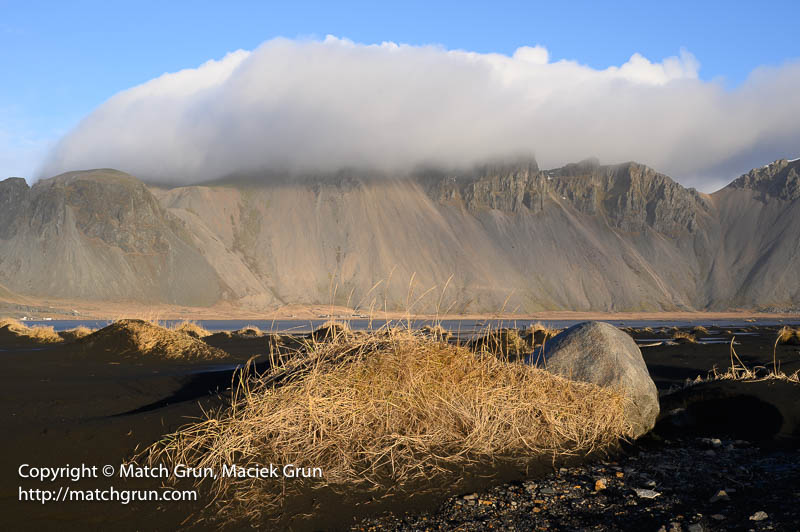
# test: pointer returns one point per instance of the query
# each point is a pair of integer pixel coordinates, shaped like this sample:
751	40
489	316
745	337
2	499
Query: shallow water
456	326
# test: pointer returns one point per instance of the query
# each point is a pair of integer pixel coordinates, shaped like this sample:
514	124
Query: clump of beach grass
436	332
540	329
503	342
387	410
75	333
330	330
684	337
789	336
192	328
16	330
699	329
249	330
138	338
739	371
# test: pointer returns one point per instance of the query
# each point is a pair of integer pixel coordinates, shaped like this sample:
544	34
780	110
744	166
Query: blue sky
60	60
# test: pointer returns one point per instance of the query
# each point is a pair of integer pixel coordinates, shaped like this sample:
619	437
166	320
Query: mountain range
511	236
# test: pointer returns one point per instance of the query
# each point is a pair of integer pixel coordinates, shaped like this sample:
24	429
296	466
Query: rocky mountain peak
630	196
779	179
106	204
13	194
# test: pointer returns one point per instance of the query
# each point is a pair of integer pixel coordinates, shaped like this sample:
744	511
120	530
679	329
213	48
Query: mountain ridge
584	237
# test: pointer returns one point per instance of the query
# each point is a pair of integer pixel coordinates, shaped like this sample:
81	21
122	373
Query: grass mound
389	410
330	331
683	337
789	336
436	332
14	331
192	329
538	332
503	342
75	334
138	338
249	330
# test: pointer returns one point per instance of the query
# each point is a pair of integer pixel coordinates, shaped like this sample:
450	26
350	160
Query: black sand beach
64	405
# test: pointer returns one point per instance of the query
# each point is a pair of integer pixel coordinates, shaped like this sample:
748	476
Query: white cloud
21	153
320	105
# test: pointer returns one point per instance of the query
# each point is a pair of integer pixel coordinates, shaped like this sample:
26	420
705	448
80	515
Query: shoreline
72	310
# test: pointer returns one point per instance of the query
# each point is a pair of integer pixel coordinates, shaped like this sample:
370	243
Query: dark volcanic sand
64	408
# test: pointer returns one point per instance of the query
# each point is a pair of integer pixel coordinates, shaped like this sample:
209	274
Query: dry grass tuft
330	331
503	343
75	334
699	329
538	329
192	329
436	332
10	322
249	330
738	371
789	336
757	373
389	410
15	330
138	338
684	337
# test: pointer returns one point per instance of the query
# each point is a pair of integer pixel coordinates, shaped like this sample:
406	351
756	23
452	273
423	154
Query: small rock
721	495
675	527
547	491
620	474
470	497
718	517
759	516
695	527
646	494
710	452
600	484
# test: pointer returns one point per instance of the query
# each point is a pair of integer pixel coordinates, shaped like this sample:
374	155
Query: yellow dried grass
38	334
393	408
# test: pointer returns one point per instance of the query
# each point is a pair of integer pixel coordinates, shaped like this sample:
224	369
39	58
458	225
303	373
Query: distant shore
104	310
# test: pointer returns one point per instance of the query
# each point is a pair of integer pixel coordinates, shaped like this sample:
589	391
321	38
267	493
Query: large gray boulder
600	353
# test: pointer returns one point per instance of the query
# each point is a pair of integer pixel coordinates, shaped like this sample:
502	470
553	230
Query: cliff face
582	237
759	244
629	196
780	179
99	234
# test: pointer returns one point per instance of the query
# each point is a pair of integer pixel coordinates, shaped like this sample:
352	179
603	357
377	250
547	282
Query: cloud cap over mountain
306	105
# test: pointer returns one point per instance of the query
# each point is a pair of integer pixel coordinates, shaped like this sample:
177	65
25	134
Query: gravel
655	485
